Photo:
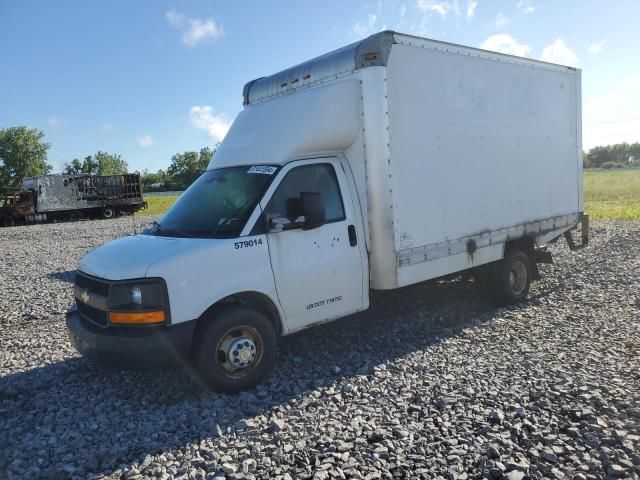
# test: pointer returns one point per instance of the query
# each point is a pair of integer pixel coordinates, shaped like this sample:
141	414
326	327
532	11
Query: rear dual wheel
235	349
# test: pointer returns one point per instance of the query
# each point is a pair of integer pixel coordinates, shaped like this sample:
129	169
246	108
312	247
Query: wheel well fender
527	246
254	300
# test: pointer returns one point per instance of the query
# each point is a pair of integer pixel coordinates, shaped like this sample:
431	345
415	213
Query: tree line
182	171
620	155
23	153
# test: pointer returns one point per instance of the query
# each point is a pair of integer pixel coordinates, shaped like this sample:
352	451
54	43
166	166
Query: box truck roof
318	109
373	51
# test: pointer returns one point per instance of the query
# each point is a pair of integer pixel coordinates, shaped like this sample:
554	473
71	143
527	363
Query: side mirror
313	208
276	225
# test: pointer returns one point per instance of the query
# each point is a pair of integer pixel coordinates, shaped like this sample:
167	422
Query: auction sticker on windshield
263	169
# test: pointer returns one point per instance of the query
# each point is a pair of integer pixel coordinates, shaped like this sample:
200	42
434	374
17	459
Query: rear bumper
130	346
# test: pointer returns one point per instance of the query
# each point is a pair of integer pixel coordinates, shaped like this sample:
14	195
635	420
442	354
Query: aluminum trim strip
425	253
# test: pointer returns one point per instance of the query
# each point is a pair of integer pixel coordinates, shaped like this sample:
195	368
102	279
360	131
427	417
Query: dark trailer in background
57	197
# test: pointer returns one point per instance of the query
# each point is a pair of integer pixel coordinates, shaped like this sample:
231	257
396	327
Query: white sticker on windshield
263	169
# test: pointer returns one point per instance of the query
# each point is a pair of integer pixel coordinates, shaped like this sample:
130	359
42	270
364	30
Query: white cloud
194	30
364	29
107	127
505	43
596	47
444	7
56	121
612	117
145	141
431	6
471	8
501	20
175	19
632	81
525	6
558	52
403	10
202	117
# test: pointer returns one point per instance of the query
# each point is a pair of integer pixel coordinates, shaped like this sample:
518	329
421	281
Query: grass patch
608	195
158	204
612	195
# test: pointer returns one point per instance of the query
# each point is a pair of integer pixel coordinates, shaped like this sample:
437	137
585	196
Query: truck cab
265	250
16	207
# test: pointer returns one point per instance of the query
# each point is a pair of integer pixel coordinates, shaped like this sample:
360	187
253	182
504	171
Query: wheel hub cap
242	352
518	277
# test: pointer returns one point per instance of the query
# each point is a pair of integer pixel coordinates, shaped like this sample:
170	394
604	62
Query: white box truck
388	162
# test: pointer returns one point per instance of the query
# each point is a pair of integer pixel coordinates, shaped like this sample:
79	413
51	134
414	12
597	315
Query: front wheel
235	349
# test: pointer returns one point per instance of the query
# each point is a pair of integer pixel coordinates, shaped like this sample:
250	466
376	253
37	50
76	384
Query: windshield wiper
159	230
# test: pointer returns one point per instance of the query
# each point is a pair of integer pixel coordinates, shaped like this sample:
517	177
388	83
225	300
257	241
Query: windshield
217	204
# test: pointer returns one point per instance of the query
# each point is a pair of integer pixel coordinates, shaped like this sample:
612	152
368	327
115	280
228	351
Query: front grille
99	317
92	284
97	292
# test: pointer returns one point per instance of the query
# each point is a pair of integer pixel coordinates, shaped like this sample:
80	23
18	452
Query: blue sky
150	78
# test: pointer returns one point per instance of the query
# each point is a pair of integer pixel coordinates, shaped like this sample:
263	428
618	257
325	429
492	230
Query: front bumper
130	346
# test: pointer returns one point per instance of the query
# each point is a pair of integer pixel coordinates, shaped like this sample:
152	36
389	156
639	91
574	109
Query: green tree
186	167
99	164
90	166
73	168
149	178
22	154
110	163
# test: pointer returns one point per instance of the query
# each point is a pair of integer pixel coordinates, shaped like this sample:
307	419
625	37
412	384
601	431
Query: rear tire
235	349
511	278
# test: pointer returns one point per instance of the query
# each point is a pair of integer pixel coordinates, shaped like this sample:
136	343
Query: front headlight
139	302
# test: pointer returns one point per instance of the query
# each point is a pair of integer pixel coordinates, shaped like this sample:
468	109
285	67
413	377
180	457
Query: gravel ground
431	382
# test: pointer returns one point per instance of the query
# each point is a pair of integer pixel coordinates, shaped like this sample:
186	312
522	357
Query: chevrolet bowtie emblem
85	296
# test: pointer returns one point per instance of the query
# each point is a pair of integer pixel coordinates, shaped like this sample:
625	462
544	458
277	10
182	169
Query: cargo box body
453	150
479	147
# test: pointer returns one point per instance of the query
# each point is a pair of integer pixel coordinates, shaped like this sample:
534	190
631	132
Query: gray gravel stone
432	381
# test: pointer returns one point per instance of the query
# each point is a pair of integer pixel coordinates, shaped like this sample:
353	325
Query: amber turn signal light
137	318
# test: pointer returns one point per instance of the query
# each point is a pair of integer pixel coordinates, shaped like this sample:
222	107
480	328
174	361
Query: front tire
235	349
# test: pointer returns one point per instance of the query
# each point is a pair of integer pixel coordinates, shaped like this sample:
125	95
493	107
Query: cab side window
287	200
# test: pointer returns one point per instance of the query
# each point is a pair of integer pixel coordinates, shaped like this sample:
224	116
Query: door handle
353	238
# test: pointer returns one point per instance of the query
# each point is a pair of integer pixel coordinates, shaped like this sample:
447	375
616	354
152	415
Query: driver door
318	272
